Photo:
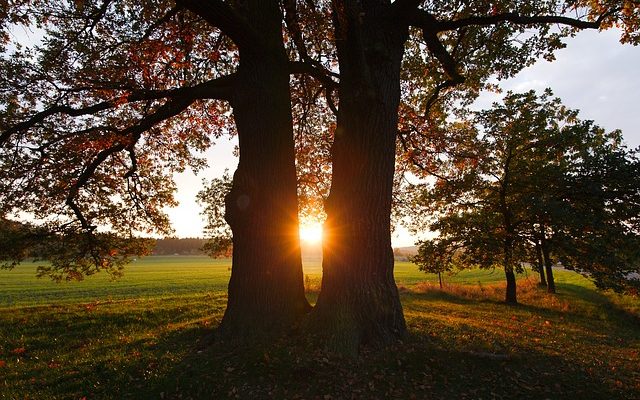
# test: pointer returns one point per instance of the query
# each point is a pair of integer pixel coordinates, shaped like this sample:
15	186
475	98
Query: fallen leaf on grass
19	350
53	365
3	363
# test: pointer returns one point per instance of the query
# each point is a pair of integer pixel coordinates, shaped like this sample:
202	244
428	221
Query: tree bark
266	289
510	297
548	266
359	301
540	264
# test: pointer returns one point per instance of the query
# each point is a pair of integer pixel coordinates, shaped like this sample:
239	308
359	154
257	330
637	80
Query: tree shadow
190	361
422	367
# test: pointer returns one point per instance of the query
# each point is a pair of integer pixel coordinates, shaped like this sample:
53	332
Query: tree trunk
540	264
510	297
548	266
440	279
359	301
266	290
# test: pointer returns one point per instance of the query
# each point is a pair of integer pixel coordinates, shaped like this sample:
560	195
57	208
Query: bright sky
594	74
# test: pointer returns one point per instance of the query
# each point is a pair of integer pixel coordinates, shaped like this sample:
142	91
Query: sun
311	232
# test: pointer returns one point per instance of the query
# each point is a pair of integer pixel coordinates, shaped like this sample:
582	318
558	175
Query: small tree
218	232
436	257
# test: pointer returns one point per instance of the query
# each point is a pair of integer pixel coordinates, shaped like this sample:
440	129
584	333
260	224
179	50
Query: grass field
148	335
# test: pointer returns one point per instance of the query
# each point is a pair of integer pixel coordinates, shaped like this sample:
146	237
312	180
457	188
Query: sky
594	74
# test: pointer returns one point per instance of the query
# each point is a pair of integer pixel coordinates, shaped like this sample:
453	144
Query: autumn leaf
18	350
3	363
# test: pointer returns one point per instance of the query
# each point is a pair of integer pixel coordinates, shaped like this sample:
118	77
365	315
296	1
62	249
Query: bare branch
518	19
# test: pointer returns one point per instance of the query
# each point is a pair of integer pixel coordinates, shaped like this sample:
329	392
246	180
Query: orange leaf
53	365
3	363
18	350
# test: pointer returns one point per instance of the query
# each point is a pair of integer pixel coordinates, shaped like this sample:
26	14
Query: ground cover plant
152	335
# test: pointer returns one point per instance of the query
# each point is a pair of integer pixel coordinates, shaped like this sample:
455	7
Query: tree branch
165	18
293	24
404	8
219	14
220	88
518	19
318	72
321	74
132	133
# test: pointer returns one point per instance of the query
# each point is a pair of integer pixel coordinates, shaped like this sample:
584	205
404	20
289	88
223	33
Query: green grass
149	277
149	336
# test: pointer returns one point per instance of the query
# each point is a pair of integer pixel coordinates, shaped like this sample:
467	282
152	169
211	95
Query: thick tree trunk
359	301
548	266
540	264
266	290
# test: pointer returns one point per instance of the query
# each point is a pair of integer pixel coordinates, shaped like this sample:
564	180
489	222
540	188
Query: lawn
149	335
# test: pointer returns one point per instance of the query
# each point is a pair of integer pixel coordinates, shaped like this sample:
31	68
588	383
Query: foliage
69	255
218	232
437	256
99	113
15	245
115	96
599	232
528	170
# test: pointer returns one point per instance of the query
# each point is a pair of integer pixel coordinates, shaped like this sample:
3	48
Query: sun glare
311	232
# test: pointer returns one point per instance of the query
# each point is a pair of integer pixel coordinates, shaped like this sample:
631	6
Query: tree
217	231
137	71
598	234
531	176
118	95
437	256
388	51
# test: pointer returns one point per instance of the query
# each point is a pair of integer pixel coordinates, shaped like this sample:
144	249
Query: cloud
596	75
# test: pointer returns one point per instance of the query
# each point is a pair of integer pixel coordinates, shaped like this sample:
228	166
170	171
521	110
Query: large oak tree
118	96
402	66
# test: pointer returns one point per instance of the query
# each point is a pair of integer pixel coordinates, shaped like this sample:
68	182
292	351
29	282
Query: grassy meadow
149	335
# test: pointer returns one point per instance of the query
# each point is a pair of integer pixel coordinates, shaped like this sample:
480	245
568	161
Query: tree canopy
528	171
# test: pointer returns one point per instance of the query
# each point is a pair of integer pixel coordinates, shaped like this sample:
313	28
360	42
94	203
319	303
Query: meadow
150	335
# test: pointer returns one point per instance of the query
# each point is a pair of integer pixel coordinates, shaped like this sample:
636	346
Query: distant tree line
181	246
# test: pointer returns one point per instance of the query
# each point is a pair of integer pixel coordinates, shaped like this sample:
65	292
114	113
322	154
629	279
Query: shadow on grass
597	298
422	367
166	351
